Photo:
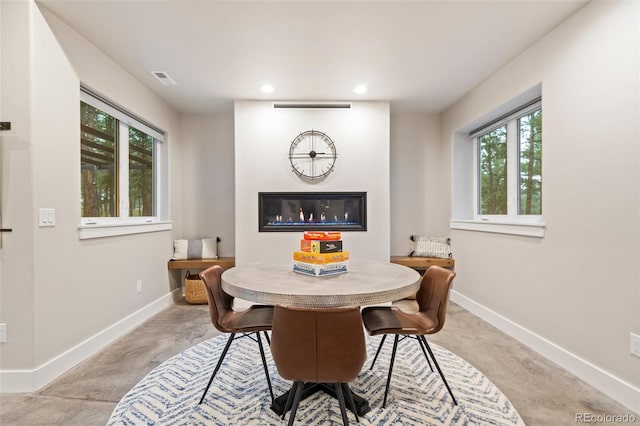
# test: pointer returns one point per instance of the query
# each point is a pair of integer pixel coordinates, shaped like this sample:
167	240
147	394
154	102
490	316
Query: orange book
320	258
322	235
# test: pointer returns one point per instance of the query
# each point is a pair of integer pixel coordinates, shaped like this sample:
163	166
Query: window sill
86	232
512	228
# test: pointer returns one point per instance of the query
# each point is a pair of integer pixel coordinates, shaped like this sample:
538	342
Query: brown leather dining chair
432	299
318	345
249	322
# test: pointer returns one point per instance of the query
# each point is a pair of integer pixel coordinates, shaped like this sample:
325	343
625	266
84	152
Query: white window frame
513	169
97	227
511	223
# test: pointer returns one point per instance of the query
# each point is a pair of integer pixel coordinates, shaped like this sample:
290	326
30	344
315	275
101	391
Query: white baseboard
14	381
617	389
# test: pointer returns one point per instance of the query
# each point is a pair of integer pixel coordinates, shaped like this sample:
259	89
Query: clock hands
312	155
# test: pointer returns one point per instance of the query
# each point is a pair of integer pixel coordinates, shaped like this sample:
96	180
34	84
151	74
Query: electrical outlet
139	286
634	344
3	333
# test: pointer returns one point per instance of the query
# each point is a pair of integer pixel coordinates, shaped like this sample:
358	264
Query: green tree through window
140	173
118	164
99	164
493	171
530	135
509	165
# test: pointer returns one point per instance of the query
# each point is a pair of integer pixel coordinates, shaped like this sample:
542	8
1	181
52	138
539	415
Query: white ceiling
419	55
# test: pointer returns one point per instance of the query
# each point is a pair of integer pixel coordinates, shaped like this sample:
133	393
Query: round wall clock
312	154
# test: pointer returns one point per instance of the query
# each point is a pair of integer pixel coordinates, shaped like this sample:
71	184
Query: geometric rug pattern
169	394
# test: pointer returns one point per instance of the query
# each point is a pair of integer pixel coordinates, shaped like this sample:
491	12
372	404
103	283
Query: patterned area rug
169	394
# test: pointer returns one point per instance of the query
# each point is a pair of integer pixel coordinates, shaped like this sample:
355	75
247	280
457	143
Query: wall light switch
3	333
47	217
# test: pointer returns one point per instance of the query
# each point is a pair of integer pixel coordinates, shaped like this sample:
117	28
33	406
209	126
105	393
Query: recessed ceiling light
266	88
360	89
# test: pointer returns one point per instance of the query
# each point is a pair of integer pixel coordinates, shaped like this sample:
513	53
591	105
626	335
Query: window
119	165
530	148
509	166
141	173
492	180
497	169
98	162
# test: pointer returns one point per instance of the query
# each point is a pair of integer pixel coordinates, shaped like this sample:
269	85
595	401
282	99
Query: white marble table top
367	283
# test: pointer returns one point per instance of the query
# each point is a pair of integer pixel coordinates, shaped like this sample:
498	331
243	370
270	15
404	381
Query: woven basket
194	291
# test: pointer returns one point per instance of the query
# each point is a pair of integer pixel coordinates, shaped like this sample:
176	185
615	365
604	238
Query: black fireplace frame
359	224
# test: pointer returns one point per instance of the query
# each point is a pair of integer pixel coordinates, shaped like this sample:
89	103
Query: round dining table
367	282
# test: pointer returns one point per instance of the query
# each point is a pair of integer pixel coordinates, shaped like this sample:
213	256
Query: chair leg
435	361
264	364
266	335
215	371
296	402
352	404
384	336
287	405
424	352
393	357
343	408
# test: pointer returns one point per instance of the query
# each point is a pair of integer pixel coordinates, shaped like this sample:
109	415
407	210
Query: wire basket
194	291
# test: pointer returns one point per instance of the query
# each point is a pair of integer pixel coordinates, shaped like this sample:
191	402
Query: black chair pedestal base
278	404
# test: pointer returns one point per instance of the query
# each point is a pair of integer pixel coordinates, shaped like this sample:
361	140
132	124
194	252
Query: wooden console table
419	263
422	263
225	262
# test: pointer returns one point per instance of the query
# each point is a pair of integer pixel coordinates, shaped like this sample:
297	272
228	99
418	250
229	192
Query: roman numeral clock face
312	155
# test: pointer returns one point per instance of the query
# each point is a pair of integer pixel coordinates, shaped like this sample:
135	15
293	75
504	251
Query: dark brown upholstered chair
432	298
249	322
319	345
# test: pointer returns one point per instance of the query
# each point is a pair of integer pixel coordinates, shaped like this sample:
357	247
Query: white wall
577	289
262	138
417	204
208	179
416	182
16	259
50	293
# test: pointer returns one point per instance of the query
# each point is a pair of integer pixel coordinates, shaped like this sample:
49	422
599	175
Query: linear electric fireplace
306	211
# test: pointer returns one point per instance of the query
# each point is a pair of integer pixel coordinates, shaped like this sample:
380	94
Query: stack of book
321	254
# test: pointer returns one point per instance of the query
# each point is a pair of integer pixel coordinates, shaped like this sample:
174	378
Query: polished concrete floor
542	393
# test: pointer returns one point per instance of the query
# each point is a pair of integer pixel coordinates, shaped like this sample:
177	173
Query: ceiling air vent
164	78
313	105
